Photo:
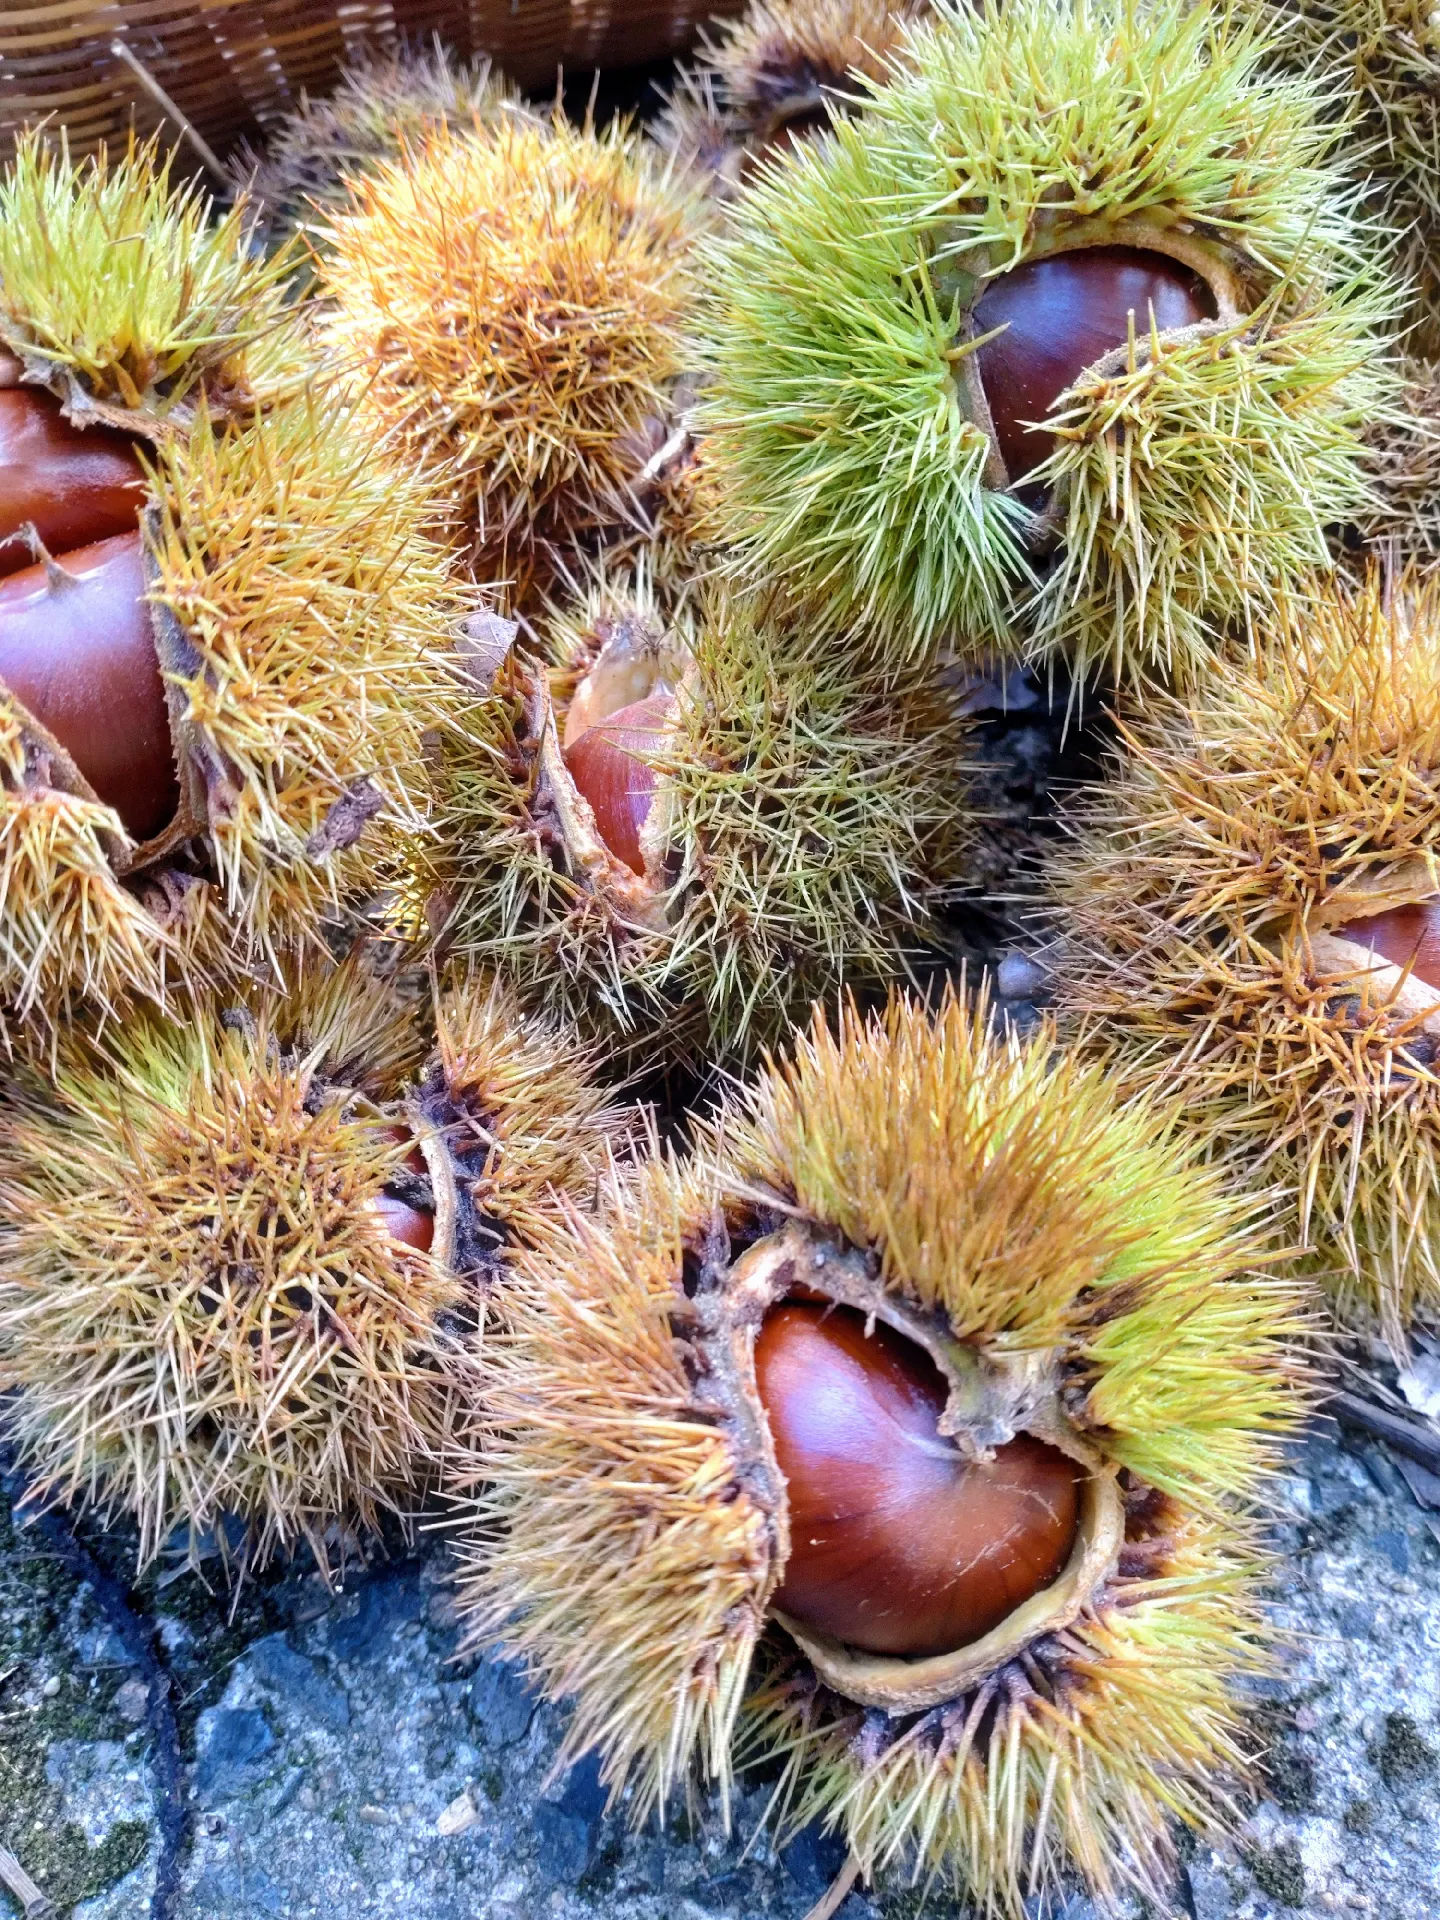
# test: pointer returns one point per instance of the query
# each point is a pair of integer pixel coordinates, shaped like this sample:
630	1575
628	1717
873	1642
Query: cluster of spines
816	818
848	464
782	63
1272	802
463	336
384	99
1402	526
604	1430
1378	62
70	933
1160	453
202	1310
120	289
201	1314
315	621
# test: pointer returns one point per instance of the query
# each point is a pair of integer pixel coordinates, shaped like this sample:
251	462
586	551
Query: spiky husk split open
804	823
1195	470
1197	909
384	100
510	304
523	1124
1077	1275
303	623
1379	62
121	293
202	1313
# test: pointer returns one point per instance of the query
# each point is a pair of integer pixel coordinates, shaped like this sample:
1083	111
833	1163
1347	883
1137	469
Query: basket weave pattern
232	66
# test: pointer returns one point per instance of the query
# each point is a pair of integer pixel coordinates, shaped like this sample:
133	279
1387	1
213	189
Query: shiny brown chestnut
1405	936
73	487
1060	314
413	1226
619	786
898	1543
77	651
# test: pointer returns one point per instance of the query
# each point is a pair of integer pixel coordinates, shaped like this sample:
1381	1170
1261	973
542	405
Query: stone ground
340	1761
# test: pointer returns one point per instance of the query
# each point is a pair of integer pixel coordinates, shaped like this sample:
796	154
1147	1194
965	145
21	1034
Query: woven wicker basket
230	66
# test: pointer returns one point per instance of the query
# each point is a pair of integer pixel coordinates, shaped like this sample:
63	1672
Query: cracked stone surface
341	1763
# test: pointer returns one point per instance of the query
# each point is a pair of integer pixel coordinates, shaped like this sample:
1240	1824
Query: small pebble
458	1817
444	1609
132	1700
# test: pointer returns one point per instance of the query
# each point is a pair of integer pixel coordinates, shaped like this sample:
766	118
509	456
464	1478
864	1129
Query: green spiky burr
123	295
1187	469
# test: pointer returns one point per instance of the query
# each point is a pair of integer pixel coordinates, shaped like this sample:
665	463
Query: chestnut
77	651
1060	314
899	1543
620	787
413	1226
73	487
1405	936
